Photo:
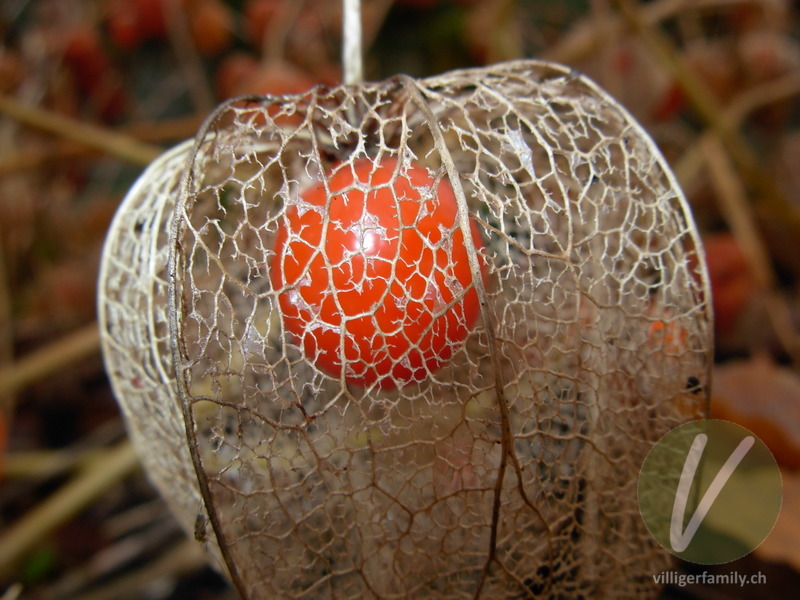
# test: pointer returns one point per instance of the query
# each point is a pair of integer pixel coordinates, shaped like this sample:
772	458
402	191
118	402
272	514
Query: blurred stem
585	39
506	42
60	151
97	477
13	592
497	21
189	60
57	355
43	464
699	95
168	130
736	210
352	58
109	142
762	95
709	109
734	206
373	16
276	34
603	16
185	557
691	164
6	341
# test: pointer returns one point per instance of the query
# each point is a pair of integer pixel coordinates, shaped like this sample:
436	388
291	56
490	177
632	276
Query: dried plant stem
114	144
352	59
156	131
162	130
501	29
189	61
734	206
41	363
185	557
276	34
763	95
13	592
98	476
21	161
45	464
373	16
603	20
42	464
586	38
705	105
6	340
690	165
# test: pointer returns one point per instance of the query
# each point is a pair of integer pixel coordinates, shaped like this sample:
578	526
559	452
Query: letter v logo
680	541
710	491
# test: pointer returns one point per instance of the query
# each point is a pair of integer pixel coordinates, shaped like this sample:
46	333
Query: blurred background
92	90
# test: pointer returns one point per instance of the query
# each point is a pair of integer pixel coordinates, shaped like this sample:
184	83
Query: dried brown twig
585	38
689	167
153	132
112	143
732	164
735	207
184	557
116	464
708	108
189	61
50	359
83	342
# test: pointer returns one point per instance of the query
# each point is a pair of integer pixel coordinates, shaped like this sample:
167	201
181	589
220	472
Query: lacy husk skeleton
508	473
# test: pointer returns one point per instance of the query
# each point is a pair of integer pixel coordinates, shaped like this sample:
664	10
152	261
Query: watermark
710	491
679	579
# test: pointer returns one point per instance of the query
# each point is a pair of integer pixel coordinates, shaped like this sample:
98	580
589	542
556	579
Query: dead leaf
781	545
765	398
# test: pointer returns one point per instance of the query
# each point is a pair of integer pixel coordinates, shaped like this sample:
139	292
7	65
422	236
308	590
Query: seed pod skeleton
507	472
